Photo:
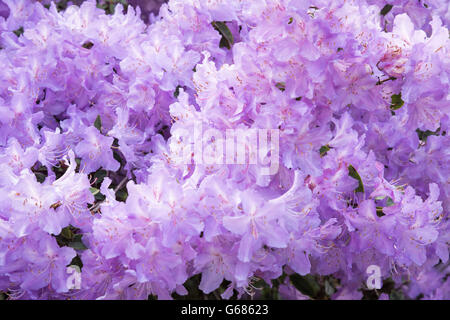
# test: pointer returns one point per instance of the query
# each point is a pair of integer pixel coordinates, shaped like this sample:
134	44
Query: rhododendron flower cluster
96	98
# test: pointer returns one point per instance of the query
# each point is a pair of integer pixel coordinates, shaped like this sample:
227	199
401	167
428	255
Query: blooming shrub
95	104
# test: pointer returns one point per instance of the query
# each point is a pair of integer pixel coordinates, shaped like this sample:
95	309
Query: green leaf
121	195
324	149
76	267
380	212
177	92
78	245
40	172
329	289
76	261
99	175
396	295
88	45
102	6
305	284
40	177
67	233
78	162
98	123
396	101
110	5
62	5
386	9
281	86
99	197
389	202
227	37
423	135
19	31
354	174
94	191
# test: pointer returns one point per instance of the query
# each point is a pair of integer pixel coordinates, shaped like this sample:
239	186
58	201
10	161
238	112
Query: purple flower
98	108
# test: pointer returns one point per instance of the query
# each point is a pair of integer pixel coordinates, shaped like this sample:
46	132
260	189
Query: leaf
76	261
62	5
88	45
121	195
99	175
386	9
110	5
102	6
76	267
40	177
78	166
98	123
18	32
41	173
99	197
281	86
423	135
324	149
67	233
227	37
78	245
305	284
329	289
94	191
396	295
396	101
177	91
389	202
380	212
77	237
355	175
